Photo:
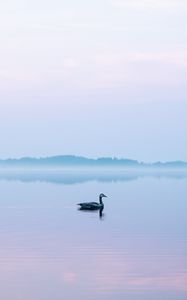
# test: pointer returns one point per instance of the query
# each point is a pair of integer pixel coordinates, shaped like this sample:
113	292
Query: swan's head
102	195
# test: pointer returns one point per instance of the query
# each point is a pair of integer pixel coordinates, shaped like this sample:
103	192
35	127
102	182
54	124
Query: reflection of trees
73	177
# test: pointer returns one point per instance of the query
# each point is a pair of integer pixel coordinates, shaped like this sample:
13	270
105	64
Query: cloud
149	4
99	71
178	58
152	68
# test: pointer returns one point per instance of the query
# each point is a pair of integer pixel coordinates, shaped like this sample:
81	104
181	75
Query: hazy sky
94	78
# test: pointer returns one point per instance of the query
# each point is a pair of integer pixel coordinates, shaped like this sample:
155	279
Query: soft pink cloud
170	5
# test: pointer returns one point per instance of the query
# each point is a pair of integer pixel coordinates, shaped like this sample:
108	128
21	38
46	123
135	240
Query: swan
93	205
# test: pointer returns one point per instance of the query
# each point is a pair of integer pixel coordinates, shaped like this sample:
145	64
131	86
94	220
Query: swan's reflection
99	212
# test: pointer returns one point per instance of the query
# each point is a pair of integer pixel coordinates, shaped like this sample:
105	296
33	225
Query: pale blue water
50	250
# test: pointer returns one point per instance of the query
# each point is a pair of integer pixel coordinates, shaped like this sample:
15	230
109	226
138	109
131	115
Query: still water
49	249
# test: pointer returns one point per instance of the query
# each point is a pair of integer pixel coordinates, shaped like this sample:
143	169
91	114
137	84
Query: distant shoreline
67	162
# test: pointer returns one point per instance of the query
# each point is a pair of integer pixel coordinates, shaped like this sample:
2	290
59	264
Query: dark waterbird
93	205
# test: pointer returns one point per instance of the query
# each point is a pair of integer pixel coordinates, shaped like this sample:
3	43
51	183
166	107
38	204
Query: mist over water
50	249
76	175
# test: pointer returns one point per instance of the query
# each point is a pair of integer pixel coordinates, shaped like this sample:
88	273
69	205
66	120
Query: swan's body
93	205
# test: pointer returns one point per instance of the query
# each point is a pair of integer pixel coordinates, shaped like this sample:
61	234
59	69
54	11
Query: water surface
51	250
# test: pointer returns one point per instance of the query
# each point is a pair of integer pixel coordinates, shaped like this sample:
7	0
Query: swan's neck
100	200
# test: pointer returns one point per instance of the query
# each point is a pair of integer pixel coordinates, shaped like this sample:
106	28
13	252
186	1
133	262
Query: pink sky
111	72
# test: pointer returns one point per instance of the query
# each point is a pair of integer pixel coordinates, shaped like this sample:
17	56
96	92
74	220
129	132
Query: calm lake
137	250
